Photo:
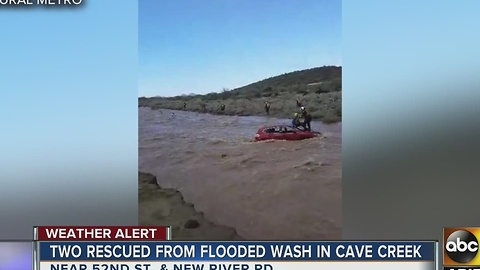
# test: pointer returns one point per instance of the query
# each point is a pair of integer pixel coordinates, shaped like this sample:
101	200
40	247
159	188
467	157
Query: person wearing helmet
296	120
307	118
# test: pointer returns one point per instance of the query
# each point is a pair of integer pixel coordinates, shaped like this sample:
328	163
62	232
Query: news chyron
460	248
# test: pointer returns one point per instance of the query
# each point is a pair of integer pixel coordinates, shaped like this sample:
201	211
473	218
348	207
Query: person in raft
307	118
296	120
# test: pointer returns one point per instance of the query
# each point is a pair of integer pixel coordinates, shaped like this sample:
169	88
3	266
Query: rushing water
265	190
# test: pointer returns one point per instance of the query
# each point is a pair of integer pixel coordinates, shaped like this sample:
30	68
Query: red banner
101	233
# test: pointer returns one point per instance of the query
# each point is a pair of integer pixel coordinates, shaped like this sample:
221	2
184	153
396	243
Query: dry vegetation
320	89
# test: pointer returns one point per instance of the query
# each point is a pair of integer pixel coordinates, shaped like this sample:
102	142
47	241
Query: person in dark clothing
222	107
184	105
299	103
267	107
307	119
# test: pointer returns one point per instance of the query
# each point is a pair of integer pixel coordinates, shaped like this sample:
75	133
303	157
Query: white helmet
302	108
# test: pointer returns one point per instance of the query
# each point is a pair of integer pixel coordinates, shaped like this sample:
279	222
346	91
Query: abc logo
461	246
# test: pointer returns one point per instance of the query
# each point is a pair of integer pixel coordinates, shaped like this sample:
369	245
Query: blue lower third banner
245	255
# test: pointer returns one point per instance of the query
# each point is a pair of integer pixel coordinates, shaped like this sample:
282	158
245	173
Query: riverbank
318	89
166	207
324	107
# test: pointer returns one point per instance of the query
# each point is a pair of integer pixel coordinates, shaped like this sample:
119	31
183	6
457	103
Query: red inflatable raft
284	132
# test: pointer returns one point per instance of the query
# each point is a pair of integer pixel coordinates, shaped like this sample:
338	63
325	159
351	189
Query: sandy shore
166	207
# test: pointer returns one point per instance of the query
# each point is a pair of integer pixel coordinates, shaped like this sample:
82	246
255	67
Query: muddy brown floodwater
265	190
